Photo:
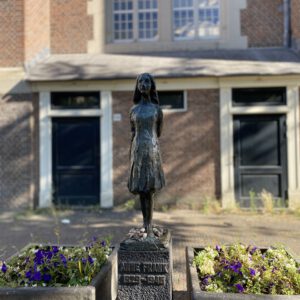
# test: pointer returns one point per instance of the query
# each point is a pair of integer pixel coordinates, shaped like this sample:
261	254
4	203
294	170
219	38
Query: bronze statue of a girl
146	173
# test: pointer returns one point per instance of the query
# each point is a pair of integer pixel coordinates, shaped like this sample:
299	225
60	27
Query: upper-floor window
135	20
196	19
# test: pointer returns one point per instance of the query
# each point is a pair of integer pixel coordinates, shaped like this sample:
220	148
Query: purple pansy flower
39	257
63	259
48	254
47	278
37	276
90	259
4	268
55	249
253	250
240	288
252	272
28	274
84	260
103	243
236	267
205	280
218	248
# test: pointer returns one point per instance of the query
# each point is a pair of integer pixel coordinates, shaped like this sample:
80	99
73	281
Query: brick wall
263	23
295	23
189	149
71	26
11	33
17	167
37	29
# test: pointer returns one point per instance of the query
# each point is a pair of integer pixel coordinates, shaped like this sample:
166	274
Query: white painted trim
164	84
293	146
246	110
75	113
45	195
105	115
226	144
106	151
226	135
96	9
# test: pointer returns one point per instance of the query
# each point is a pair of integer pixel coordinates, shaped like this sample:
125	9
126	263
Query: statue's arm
132	126
159	121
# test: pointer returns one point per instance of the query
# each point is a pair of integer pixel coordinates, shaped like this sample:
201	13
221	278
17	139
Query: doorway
260	158
76	160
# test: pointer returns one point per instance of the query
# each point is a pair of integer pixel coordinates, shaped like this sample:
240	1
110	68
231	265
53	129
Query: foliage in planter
241	269
55	266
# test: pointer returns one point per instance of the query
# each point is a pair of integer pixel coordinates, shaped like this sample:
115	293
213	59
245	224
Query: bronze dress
146	173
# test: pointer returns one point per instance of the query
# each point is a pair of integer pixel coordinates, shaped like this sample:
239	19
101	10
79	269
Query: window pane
183	19
171	100
123	15
259	96
75	100
209	18
147	17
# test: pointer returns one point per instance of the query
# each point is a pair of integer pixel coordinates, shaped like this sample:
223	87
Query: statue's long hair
153	93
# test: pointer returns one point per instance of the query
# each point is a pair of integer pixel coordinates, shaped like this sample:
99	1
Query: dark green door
260	157
76	161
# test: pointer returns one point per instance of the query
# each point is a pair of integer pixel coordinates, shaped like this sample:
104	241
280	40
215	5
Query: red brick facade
295	23
17	157
71	27
59	27
263	23
37	28
189	147
11	33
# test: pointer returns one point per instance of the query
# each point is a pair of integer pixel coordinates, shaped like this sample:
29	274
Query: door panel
260	158
76	161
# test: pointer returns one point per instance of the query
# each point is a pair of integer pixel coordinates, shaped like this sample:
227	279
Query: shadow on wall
16	166
189	147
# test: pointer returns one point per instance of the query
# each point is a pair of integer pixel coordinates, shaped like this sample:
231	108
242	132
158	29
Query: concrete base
102	287
145	269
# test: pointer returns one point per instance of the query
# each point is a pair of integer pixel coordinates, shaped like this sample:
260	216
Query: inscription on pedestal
145	275
141	273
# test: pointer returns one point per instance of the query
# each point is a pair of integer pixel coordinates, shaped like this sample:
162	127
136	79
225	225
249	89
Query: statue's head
145	84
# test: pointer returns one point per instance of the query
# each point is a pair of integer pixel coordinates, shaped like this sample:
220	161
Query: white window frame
196	24
227	112
135	31
45	145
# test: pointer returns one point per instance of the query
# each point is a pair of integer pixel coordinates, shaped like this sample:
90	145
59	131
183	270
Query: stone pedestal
145	268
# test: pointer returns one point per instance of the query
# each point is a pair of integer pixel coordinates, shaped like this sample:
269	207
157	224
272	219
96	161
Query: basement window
172	100
75	100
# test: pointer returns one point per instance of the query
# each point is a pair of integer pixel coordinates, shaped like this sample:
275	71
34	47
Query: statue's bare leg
143	201
149	213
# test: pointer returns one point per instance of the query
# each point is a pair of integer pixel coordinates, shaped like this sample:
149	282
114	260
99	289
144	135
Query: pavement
189	228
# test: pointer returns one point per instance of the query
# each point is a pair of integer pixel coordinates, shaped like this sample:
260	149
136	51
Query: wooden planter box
102	287
195	292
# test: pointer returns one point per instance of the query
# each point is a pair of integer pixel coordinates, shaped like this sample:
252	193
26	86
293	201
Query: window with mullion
196	18
123	20
147	19
183	18
135	20
208	18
